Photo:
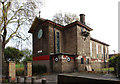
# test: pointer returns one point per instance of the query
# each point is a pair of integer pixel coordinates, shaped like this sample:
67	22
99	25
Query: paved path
52	78
95	76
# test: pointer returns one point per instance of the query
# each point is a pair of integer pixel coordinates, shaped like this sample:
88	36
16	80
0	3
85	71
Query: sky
102	15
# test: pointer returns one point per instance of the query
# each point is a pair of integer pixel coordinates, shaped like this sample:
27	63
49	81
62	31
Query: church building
67	48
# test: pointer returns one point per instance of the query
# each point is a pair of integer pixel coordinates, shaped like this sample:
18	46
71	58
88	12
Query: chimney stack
82	18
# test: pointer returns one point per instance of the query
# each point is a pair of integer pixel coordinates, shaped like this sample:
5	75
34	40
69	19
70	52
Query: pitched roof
43	21
80	24
98	41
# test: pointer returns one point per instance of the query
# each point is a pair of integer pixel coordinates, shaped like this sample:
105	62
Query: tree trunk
3	62
0	58
3	58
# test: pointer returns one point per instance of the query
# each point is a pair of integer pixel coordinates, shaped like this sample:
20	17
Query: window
82	60
97	50
91	49
81	29
87	61
102	50
58	43
106	53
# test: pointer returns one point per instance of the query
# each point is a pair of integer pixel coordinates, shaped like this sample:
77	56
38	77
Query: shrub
115	62
39	69
20	72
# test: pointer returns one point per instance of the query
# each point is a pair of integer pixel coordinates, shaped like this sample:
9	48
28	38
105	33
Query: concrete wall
64	79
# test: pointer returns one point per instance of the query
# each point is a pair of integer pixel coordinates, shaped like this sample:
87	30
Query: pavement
52	78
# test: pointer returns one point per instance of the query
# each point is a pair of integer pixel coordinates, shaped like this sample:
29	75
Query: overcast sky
102	15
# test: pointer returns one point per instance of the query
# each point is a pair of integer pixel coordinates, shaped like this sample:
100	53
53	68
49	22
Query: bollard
9	79
33	80
18	79
25	79
44	81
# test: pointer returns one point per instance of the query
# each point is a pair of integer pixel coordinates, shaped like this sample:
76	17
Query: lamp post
114	52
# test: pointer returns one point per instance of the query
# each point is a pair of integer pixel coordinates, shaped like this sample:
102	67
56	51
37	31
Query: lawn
110	69
19	69
19	65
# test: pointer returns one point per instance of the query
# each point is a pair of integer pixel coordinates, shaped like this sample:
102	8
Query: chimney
82	18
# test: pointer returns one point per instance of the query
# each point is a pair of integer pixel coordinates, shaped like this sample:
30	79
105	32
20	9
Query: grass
19	69
19	66
110	69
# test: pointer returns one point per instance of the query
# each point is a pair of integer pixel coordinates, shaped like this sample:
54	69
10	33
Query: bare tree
65	18
16	16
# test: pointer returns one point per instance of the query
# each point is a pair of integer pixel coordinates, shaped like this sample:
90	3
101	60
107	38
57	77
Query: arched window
58	42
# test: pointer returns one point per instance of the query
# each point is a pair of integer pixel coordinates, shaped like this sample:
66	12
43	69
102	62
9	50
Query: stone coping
93	76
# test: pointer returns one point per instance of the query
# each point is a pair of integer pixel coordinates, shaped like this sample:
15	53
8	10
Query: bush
115	62
39	69
20	73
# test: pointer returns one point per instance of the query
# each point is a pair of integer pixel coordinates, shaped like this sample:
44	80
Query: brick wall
100	52
67	66
83	46
70	40
42	43
63	65
28	69
51	39
97	66
11	70
43	62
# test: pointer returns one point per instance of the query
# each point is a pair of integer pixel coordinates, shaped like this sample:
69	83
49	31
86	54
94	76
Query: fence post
25	79
11	70
18	79
33	80
9	79
44	81
28	69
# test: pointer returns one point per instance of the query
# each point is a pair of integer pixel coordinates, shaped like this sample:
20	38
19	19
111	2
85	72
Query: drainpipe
54	40
104	57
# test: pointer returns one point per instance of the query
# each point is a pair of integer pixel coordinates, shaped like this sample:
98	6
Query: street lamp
114	52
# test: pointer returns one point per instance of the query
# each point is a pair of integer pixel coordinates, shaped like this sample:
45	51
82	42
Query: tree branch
12	35
13	16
